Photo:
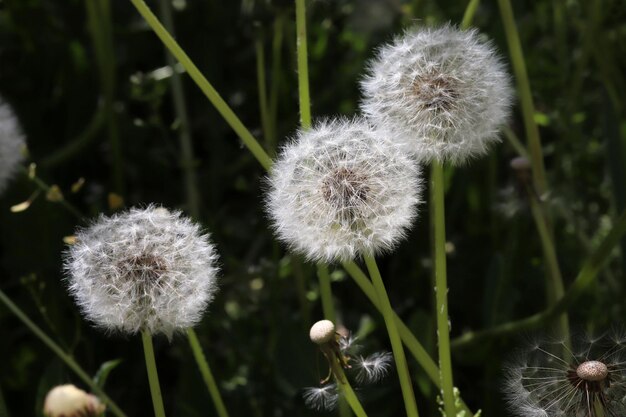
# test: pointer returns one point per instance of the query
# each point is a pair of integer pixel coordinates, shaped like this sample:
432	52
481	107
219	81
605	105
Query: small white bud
322	332
69	401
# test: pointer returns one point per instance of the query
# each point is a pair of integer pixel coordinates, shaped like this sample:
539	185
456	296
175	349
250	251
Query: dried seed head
144	269
592	371
322	332
69	401
443	92
342	189
12	144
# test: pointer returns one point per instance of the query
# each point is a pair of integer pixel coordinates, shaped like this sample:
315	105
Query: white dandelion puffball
444	92
12	144
341	190
145	269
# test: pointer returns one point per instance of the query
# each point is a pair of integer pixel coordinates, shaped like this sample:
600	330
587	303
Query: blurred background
92	87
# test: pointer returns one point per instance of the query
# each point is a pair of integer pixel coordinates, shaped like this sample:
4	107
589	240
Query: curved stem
441	288
585	277
396	343
69	360
231	118
153	377
207	375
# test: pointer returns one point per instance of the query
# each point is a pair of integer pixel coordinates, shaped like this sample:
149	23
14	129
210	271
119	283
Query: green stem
586	276
225	111
207	375
348	392
184	131
470	11
69	360
396	343
303	69
153	377
515	143
441	288
326	293
261	86
525	96
277	43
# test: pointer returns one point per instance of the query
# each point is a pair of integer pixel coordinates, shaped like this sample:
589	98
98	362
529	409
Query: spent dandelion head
588	380
146	269
442	91
69	401
12	144
342	189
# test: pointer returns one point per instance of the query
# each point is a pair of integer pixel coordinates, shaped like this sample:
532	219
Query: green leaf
103	372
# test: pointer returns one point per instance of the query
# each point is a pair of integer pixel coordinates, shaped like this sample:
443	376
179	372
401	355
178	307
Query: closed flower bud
69	401
145	269
12	144
341	190
443	92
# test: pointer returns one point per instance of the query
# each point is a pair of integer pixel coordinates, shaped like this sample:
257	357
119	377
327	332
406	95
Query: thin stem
207	375
303	69
69	360
586	276
396	343
350	396
470	11
229	116
515	143
153	377
31	175
192	192
277	43
261	86
326	293
441	288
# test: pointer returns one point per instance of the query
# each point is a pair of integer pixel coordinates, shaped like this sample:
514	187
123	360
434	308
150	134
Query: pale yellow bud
69	401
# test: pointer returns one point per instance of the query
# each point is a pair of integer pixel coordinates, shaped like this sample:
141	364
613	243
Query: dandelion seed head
321	398
341	190
553	380
443	92
144	269
12	144
373	368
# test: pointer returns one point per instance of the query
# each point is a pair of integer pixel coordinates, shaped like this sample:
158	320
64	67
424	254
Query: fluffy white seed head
321	398
69	401
12	144
342	189
145	269
373	368
443	91
322	332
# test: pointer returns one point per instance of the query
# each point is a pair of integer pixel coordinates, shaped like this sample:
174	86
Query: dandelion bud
341	190
442	91
12	144
322	332
520	163
145	269
69	401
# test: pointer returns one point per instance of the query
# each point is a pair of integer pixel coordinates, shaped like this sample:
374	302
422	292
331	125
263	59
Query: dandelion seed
69	401
442	91
373	368
589	382
341	190
12	144
145	269
321	398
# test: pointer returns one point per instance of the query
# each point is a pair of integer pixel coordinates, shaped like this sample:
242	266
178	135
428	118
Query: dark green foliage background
256	332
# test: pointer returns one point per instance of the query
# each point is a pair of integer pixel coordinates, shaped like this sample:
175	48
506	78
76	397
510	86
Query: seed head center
435	90
592	371
345	187
147	267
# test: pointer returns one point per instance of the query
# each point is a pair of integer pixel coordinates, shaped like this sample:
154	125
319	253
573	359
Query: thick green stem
192	192
153	377
233	121
396	343
585	277
326	293
207	375
441	288
69	360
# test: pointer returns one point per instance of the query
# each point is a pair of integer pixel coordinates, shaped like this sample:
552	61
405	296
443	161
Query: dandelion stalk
65	357
207	375
348	392
441	288
262	87
153	377
225	111
555	281
396	343
184	132
326	293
